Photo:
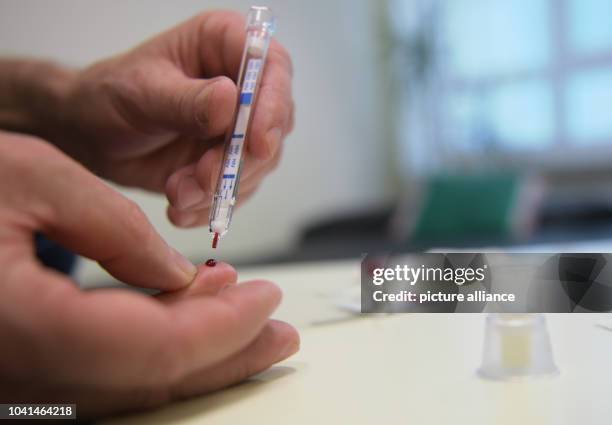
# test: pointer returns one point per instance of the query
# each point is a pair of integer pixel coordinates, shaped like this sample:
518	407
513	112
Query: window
528	79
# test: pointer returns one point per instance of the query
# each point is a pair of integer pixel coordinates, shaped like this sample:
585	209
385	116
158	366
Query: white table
401	369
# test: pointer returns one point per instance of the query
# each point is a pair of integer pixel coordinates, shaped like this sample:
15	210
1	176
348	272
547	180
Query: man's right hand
114	350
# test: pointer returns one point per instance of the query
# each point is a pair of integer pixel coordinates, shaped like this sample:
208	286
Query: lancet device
260	26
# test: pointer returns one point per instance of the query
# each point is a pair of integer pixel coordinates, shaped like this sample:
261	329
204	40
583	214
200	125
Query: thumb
198	107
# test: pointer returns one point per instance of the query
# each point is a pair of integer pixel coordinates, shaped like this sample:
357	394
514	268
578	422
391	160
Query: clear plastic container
516	346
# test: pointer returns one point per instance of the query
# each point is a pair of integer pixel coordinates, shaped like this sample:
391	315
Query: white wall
334	160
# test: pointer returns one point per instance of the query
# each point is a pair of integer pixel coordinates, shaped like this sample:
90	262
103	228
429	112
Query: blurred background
420	123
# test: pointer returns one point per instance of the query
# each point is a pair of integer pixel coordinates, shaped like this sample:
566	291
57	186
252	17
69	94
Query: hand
112	350
155	116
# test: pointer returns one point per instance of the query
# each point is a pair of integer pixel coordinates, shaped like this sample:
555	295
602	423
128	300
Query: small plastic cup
516	346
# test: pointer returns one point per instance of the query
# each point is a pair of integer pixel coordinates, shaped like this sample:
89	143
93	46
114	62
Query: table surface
398	369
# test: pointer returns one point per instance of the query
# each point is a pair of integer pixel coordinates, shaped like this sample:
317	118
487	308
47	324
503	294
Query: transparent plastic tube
259	29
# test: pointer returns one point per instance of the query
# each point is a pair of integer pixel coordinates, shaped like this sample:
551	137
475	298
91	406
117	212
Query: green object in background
476	207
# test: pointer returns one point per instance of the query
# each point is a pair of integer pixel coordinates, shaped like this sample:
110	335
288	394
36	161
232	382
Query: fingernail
273	139
288	350
184	264
189	193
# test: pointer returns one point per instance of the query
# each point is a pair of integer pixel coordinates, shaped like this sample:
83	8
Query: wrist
33	97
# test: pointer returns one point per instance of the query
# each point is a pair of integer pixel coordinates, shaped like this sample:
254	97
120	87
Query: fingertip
269	290
221	271
186	219
264	290
279	54
277	341
175	216
288	336
207	281
171	188
187	267
274	290
174	182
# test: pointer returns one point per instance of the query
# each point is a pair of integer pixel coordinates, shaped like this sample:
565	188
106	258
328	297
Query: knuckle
216	23
278	105
280	54
124	90
219	16
135	214
231	16
112	85
277	91
134	76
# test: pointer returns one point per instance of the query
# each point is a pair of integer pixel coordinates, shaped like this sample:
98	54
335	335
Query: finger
208	281
247	184
276	342
219	36
233	319
274	106
130	340
156	167
176	102
185	193
88	323
189	185
76	209
201	217
192	187
254	169
183	190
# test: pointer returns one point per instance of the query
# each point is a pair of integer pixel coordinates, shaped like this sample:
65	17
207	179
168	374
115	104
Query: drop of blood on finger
211	262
